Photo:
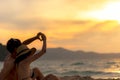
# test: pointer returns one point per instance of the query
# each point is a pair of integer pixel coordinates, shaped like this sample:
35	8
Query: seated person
11	72
25	57
9	69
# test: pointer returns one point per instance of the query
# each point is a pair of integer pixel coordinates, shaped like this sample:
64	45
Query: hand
43	37
38	36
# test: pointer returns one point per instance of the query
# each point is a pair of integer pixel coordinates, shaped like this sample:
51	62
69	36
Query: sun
109	12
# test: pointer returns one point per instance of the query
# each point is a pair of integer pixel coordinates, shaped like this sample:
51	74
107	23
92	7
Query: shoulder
29	57
8	60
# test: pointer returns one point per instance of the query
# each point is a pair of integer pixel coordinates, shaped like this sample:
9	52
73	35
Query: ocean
103	68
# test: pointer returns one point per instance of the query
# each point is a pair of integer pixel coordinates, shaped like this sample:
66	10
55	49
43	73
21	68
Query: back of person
9	70
24	61
12	75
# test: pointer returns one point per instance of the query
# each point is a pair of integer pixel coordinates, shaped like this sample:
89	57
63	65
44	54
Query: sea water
94	68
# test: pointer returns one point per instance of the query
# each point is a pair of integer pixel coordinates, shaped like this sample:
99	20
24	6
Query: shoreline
77	77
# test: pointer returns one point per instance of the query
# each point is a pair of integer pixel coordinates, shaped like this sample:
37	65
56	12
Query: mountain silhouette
65	54
3	52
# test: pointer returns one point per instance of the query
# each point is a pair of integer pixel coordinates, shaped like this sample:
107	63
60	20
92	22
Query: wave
71	73
95	73
77	64
111	63
88	73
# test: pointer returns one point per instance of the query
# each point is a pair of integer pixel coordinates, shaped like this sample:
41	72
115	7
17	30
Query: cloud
57	19
101	37
87	5
55	9
72	34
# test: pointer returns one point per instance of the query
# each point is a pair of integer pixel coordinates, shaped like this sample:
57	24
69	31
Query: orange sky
88	25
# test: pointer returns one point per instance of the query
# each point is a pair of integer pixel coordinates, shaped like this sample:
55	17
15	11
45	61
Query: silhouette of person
18	62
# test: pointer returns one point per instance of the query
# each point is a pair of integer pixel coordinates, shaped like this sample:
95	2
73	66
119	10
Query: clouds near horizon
65	22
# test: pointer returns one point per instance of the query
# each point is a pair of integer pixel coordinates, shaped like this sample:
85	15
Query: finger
40	38
39	33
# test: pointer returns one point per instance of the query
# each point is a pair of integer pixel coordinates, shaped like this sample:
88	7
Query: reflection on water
95	68
113	66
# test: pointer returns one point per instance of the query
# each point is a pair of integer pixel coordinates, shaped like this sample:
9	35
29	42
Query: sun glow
117	71
109	12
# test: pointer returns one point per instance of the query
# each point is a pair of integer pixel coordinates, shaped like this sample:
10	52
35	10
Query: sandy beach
83	78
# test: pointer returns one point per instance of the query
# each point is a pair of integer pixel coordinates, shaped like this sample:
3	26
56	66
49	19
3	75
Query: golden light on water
114	66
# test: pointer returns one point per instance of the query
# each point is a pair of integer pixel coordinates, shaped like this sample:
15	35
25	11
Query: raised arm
28	41
40	53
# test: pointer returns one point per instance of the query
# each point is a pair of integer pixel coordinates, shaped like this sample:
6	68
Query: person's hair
12	44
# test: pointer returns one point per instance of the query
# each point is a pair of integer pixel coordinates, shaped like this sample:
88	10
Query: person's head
12	44
23	52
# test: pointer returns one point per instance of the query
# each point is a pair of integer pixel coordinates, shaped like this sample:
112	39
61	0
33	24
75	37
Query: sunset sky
89	25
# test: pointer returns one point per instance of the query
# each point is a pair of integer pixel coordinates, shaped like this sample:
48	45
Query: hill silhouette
65	54
3	52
